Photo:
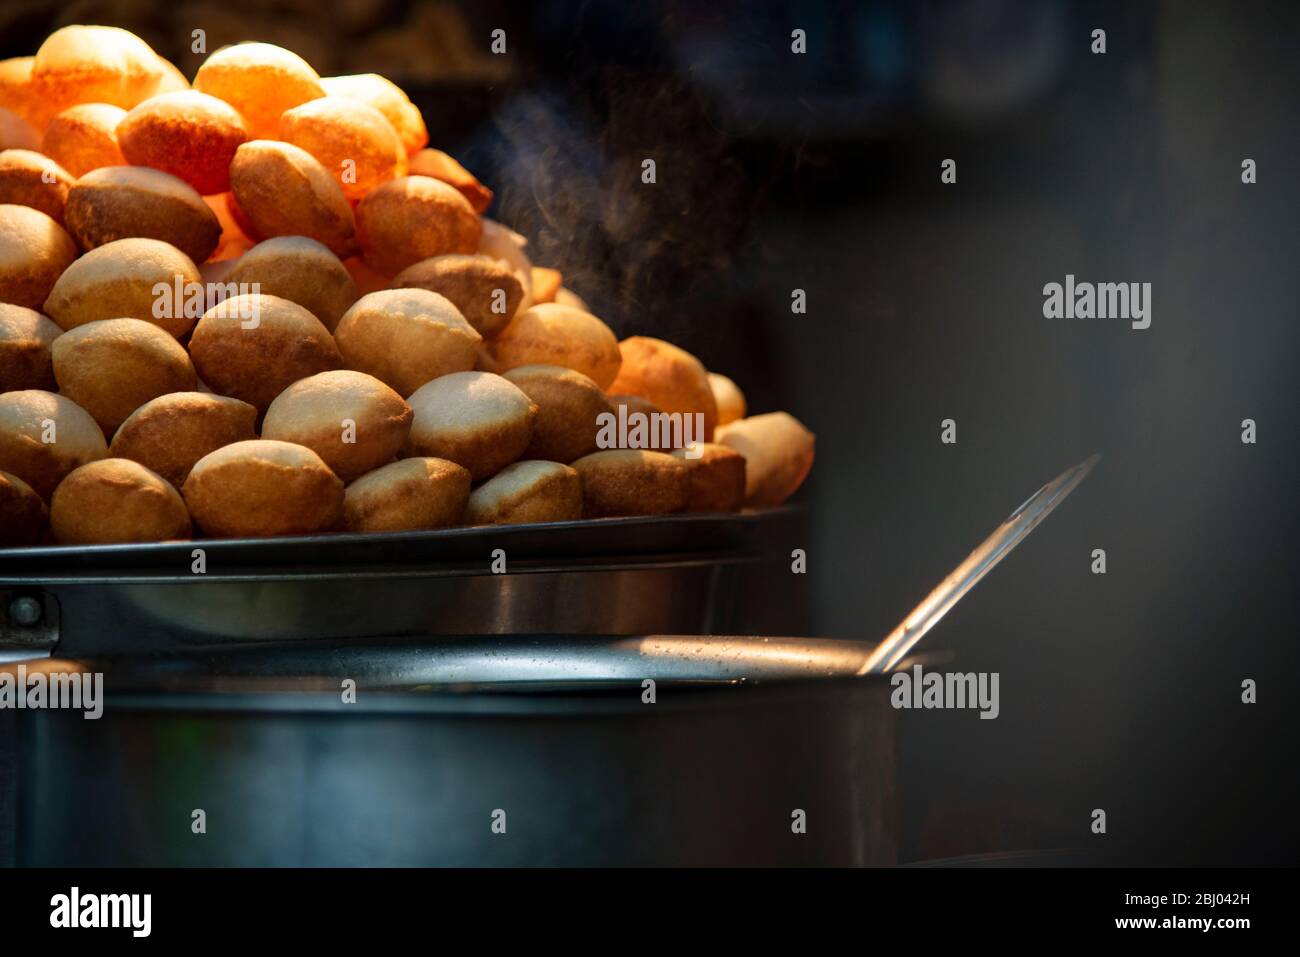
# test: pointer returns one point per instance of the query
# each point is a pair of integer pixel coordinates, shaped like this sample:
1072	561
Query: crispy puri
351	420
44	436
631	482
527	491
778	453
260	488
476	419
172	432
407	495
112	501
569	408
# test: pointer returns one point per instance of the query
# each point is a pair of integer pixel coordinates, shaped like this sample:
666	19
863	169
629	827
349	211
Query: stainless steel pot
464	745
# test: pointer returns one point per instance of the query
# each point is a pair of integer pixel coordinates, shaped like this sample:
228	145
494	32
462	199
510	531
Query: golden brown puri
118	281
389	99
92	64
172	432
631	482
551	334
282	190
44	436
253	347
485	290
528	491
259	80
715	479
440	166
568	409
34	251
778	453
115	202
353	141
546	283
670	377
29	179
116	500
728	398
84	137
25	339
188	134
407	495
351	420
300	270
112	367
476	419
405	337
22	512
413	218
260	488
16	133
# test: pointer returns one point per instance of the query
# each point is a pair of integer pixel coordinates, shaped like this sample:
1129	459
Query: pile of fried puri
400	365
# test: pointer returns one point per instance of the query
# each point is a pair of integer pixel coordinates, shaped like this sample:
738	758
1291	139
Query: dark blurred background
820	171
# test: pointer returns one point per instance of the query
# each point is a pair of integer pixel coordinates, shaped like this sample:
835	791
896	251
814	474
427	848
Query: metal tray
604	542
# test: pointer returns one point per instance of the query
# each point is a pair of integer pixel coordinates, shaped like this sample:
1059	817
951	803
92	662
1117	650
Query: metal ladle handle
977	564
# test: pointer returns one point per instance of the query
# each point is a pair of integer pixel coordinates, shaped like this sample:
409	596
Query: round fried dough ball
351	420
631	482
121	279
22	512
528	491
386	97
259	80
413	218
300	270
255	346
668	376
569	413
407	495
84	137
116	202
114	501
29	179
405	337
34	251
551	334
728	398
476	419
44	436
111	367
778	453
352	140
172	432
283	190
715	478
188	134
260	488
485	290
25	339
92	64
